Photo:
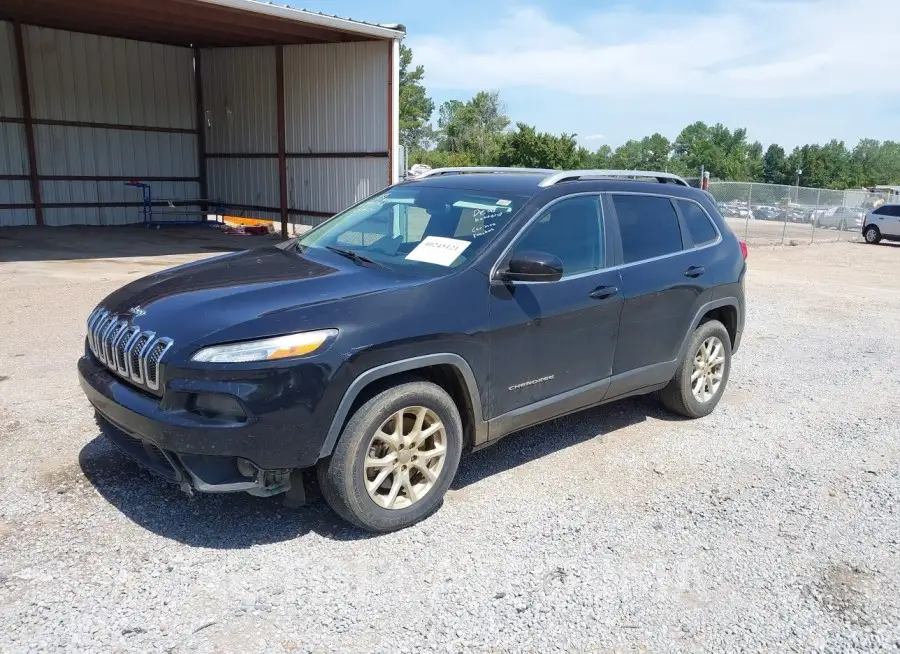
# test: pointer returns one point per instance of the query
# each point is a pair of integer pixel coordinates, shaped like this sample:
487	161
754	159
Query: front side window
570	229
424	230
648	225
698	223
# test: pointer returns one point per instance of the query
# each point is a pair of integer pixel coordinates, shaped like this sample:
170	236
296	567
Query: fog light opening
246	468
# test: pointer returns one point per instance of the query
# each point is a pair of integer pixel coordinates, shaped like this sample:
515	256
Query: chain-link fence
780	214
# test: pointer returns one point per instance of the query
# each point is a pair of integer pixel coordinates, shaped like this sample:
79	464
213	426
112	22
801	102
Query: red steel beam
29	125
390	112
282	154
201	129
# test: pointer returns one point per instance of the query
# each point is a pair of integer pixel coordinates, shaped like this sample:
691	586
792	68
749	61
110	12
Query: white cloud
778	49
593	137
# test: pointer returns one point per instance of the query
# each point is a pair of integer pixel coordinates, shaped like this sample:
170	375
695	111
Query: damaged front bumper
200	472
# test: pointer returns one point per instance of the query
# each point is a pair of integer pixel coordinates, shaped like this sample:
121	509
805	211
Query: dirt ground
771	525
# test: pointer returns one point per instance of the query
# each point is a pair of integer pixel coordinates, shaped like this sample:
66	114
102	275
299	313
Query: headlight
267	349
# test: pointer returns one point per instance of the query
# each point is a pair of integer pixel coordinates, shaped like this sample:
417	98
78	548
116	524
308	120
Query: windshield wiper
355	257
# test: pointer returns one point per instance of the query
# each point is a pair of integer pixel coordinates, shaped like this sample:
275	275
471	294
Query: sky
790	71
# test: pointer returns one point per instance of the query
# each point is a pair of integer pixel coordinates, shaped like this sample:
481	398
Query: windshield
425	230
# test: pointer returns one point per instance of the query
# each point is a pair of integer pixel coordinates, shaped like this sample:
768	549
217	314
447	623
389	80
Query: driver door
552	338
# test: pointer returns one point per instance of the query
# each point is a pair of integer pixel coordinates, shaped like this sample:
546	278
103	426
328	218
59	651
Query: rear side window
698	223
648	225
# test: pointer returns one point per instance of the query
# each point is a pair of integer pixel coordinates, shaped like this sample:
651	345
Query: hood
191	301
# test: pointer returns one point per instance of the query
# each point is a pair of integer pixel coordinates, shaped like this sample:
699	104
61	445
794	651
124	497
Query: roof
200	23
526	184
529	184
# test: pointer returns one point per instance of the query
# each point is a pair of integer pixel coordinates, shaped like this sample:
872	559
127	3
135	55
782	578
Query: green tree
527	148
755	162
415	105
602	158
774	165
475	127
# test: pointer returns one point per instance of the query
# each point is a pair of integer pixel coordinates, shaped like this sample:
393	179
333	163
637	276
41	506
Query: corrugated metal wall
105	110
336	106
87	78
13	152
239	97
239	100
336	101
336	97
98	79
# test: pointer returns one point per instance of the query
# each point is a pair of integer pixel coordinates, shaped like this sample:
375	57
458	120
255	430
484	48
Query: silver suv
882	223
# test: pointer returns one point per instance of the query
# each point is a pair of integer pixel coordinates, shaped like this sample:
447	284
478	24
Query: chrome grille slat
105	330
135	363
109	343
154	356
126	350
122	349
143	355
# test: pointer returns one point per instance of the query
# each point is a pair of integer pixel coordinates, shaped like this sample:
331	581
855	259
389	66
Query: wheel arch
725	310
448	370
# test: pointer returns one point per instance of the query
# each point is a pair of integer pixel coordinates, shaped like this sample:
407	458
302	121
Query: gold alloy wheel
405	457
709	369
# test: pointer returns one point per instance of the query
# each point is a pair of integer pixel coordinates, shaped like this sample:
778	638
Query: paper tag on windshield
438	250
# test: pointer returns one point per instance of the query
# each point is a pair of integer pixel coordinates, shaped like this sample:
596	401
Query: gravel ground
771	232
773	525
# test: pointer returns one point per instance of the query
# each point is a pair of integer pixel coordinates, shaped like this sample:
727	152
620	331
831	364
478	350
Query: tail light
743	249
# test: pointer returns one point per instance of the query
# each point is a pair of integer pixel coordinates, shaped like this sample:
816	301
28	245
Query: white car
882	223
840	218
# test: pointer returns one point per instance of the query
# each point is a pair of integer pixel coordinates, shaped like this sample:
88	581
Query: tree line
478	132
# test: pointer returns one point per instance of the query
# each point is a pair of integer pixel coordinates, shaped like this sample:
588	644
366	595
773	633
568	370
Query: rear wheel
702	375
395	458
872	235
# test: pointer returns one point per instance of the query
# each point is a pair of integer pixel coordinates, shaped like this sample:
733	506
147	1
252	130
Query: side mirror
532	267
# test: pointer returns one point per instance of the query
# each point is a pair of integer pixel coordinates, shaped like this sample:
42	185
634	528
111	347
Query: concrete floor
105	243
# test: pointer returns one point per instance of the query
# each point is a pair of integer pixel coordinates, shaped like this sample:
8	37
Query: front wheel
872	235
702	375
395	458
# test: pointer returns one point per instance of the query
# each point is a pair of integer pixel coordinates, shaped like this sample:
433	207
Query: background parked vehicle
882	223
840	218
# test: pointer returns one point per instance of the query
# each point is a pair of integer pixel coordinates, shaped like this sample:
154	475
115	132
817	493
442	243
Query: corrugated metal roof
200	23
382	30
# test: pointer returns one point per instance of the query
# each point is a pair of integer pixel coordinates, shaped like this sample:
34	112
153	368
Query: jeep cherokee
436	316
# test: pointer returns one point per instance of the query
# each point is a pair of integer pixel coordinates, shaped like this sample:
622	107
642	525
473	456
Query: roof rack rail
569	175
469	170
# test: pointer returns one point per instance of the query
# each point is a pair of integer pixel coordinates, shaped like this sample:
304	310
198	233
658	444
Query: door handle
694	271
603	292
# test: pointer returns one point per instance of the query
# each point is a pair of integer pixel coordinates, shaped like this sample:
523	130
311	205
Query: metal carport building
280	113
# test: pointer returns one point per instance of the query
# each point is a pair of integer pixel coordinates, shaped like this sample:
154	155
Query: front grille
125	349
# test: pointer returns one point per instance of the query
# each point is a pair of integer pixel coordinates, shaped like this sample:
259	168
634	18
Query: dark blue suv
436	316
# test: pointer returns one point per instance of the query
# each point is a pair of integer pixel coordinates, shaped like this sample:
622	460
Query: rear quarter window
888	210
698	223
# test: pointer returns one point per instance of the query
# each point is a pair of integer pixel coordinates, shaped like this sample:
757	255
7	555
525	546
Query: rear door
667	275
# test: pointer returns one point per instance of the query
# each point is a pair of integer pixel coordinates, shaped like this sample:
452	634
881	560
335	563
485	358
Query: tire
678	396
872	235
343	477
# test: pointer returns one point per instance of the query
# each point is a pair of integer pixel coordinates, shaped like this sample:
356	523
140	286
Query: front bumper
189	449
